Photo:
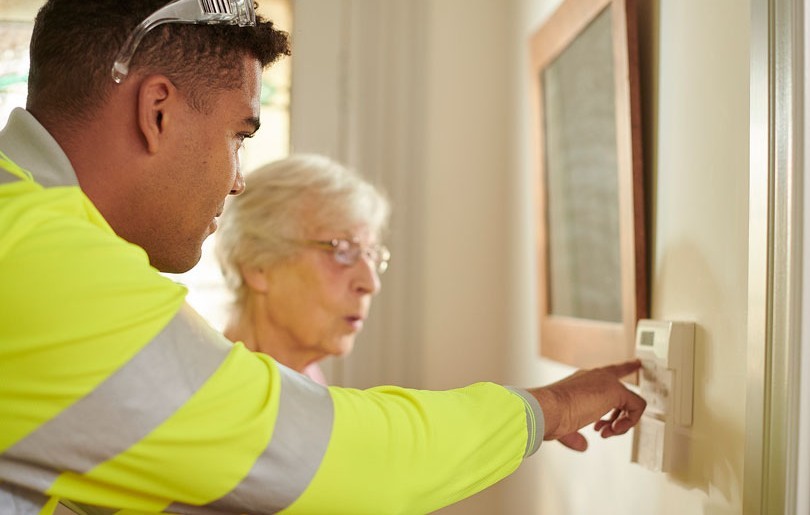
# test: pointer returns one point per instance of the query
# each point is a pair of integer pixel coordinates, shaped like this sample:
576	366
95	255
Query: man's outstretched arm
584	398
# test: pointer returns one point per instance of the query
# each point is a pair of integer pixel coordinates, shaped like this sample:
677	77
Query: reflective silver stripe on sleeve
124	408
84	509
535	421
18	501
288	464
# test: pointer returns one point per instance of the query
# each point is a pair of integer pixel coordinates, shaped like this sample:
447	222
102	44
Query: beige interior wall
467	170
695	56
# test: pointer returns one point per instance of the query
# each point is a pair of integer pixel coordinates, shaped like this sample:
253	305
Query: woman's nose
367	280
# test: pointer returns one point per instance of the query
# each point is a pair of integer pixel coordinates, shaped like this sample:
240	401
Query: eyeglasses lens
348	252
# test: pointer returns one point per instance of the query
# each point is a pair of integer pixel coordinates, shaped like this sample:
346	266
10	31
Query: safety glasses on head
225	12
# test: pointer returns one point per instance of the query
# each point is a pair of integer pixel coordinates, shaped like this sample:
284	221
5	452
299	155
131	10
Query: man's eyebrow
254	122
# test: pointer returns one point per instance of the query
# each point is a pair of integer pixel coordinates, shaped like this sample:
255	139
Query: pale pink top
314	372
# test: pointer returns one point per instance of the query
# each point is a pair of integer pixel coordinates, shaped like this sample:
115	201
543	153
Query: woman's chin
343	347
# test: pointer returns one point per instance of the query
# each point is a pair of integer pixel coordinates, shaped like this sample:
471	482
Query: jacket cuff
535	421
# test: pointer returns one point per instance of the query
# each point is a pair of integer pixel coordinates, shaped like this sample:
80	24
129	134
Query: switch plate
666	351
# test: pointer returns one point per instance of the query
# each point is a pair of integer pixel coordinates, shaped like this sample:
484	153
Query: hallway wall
695	79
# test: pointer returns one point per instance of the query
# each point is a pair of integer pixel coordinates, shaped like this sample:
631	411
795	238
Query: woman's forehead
343	229
341	212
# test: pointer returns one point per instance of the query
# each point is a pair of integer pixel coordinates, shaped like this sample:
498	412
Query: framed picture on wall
591	245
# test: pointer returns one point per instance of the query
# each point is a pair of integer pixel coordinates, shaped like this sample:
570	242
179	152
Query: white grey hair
284	199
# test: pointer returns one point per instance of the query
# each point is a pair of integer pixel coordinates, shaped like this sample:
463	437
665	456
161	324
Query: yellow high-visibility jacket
115	395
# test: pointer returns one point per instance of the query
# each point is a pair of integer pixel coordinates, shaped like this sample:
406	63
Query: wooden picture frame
591	244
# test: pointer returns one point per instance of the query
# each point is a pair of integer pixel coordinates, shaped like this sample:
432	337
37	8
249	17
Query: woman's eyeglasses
346	252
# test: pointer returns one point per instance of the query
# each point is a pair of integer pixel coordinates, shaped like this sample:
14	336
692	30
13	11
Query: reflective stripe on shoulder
17	501
292	457
143	394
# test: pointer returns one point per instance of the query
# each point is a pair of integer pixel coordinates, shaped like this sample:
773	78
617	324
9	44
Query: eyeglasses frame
381	261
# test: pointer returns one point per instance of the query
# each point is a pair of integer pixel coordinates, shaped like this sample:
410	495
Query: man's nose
238	184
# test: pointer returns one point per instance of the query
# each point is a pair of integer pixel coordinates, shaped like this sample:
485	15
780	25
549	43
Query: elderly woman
300	252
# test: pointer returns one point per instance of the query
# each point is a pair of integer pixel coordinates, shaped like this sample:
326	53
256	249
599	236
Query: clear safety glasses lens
225	12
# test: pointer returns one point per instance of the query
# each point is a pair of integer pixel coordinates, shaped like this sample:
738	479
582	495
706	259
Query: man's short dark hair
75	43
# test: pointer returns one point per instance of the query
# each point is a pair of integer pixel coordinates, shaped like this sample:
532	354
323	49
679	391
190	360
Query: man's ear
255	277
156	95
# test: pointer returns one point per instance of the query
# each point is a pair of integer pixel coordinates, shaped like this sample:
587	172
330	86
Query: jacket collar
26	142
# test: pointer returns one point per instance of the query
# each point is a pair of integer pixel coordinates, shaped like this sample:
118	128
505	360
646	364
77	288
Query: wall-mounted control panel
666	350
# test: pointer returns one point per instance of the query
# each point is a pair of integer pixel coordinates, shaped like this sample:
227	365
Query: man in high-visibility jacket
114	394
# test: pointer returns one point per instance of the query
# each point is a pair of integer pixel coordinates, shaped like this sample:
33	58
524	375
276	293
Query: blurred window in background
14	38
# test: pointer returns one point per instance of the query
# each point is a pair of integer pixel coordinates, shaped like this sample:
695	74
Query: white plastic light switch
666	351
648	444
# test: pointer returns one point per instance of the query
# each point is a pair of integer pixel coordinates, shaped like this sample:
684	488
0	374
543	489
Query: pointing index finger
622	369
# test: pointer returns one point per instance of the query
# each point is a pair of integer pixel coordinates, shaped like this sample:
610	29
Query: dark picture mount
591	245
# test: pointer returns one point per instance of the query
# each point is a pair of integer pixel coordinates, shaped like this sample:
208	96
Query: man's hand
584	397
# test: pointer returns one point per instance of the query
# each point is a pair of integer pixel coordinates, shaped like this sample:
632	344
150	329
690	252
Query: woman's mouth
355	322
